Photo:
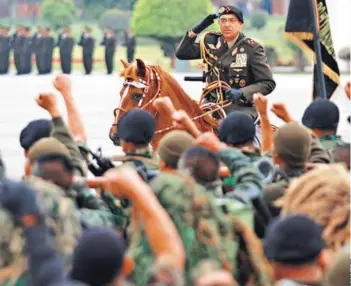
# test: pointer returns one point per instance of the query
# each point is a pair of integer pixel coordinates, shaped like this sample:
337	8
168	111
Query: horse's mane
189	103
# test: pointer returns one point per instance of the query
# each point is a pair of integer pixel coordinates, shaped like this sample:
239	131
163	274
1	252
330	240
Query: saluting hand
48	102
280	110
62	83
260	102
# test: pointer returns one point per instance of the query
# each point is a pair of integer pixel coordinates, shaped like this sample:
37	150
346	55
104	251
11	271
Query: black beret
229	9
321	114
34	131
237	128
136	126
98	257
294	239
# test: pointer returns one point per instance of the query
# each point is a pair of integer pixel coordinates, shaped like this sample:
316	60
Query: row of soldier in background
41	44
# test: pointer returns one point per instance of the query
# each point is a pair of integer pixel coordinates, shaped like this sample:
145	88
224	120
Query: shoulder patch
251	42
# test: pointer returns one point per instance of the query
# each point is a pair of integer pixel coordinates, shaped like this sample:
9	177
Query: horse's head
139	89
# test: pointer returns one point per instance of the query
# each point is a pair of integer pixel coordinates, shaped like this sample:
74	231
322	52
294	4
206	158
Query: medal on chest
240	61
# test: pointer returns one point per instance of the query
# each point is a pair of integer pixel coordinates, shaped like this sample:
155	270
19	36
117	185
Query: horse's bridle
144	85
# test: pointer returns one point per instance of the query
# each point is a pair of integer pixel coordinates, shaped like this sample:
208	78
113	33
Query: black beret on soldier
226	10
321	114
34	131
237	128
136	126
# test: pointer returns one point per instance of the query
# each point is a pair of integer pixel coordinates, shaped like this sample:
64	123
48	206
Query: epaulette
251	42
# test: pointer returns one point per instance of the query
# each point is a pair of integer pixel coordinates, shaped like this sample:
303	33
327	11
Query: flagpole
318	52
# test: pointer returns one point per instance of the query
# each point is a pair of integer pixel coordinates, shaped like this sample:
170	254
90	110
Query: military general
230	57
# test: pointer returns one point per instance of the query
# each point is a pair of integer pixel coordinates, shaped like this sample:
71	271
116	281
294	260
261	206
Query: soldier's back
60	217
203	228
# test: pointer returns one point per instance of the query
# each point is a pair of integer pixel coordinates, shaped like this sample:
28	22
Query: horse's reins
151	74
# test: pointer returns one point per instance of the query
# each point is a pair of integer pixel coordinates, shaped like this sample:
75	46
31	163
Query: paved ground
97	95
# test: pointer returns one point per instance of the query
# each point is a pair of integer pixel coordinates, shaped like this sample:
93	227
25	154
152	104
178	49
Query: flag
299	29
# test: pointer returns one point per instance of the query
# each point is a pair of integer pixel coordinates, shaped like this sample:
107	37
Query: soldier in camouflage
322	117
207	233
231	57
50	160
135	130
60	217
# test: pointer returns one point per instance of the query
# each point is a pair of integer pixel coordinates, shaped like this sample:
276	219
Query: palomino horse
145	83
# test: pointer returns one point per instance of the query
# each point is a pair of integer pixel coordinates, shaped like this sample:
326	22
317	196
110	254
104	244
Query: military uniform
138	127
243	67
66	43
130	43
92	211
109	42
5	48
62	134
61	218
330	142
207	233
324	115
296	147
49	44
87	42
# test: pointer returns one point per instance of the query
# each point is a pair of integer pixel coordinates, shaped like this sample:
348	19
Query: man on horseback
231	57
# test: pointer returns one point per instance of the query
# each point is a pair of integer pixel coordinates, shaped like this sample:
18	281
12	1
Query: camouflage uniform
283	176
61	133
138	127
95	212
62	220
324	116
201	225
207	233
248	182
330	142
143	155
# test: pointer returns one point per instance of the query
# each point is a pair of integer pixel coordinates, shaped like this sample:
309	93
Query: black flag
299	29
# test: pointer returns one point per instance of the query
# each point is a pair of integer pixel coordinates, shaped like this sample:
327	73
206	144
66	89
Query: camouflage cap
173	145
47	146
292	143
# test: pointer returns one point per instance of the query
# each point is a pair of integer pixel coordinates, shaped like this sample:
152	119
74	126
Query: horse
145	83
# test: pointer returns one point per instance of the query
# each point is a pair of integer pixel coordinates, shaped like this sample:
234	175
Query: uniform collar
143	152
329	137
231	43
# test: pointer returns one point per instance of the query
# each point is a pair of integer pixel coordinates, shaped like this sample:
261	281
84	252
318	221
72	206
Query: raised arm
75	123
161	232
260	102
